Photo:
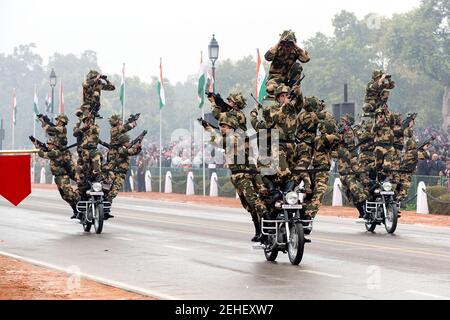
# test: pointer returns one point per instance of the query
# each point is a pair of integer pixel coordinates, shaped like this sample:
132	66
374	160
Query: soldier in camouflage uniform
366	157
237	103
307	123
92	88
283	56
324	145
348	170
349	134
118	165
242	169
398	146
409	162
61	173
384	142
282	116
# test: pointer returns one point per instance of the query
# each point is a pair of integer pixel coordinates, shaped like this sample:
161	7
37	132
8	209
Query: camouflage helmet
63	118
78	112
229	121
377	74
92	74
281	89
114	119
288	35
348	118
123	138
327	126
311	103
238	98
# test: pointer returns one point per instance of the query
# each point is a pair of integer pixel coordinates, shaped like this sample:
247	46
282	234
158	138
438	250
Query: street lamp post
53	84
213	52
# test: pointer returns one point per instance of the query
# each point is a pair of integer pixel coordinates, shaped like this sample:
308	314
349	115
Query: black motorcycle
286	232
381	207
92	211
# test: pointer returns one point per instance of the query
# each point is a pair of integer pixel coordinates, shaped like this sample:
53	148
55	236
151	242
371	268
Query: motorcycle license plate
292	206
387	193
96	193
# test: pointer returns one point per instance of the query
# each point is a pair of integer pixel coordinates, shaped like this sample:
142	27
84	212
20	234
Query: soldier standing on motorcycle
61	173
242	168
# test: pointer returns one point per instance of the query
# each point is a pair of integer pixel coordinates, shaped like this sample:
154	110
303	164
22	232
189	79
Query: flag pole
203	156
13	119
160	150
123	99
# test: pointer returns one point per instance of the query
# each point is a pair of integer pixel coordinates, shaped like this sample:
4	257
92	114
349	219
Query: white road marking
177	248
108	282
426	294
123	238
330	275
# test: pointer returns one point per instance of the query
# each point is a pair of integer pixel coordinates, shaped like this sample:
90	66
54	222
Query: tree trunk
446	108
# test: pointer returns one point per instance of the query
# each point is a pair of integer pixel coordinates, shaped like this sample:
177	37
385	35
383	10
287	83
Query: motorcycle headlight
97	186
292	198
387	186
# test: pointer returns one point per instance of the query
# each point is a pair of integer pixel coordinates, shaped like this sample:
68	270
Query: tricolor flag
35	103
61	97
260	79
210	81
201	83
122	87
14	107
162	97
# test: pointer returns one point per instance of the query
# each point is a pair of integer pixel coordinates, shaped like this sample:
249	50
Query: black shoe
74	216
261	238
307	240
256	238
107	216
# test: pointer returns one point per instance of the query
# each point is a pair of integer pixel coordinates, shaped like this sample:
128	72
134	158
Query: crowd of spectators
439	152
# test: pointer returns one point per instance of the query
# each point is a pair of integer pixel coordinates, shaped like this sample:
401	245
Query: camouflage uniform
307	123
236	112
282	60
91	157
323	147
384	142
283	118
398	146
377	92
118	165
349	135
241	166
68	192
348	170
92	88
408	164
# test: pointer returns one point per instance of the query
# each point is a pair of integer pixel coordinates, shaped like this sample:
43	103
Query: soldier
58	130
68	192
283	56
398	146
349	135
366	156
384	142
118	165
377	92
348	169
409	161
237	103
324	145
282	116
92	88
307	123
241	171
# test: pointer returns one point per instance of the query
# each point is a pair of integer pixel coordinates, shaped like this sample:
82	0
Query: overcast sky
140	32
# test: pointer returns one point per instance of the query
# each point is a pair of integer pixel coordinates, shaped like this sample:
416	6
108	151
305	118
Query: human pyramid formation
382	146
89	167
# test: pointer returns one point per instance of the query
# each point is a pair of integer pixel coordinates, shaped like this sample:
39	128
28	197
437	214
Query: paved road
185	251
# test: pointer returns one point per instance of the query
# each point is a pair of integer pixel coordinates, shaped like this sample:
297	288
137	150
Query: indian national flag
61	97
35	103
14	107
162	97
260	79
201	83
122	87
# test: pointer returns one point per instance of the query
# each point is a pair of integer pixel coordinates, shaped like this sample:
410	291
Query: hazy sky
140	32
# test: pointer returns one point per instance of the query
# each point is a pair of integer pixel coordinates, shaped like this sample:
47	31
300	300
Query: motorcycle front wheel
98	218
296	243
391	217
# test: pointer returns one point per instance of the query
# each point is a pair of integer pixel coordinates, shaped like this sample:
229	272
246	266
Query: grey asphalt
186	251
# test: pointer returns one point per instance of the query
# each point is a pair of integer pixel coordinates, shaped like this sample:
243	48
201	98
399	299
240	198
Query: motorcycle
92	211
286	232
382	207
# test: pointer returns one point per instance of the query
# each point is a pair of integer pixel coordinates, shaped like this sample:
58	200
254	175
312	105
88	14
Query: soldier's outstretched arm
271	53
109	86
302	55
